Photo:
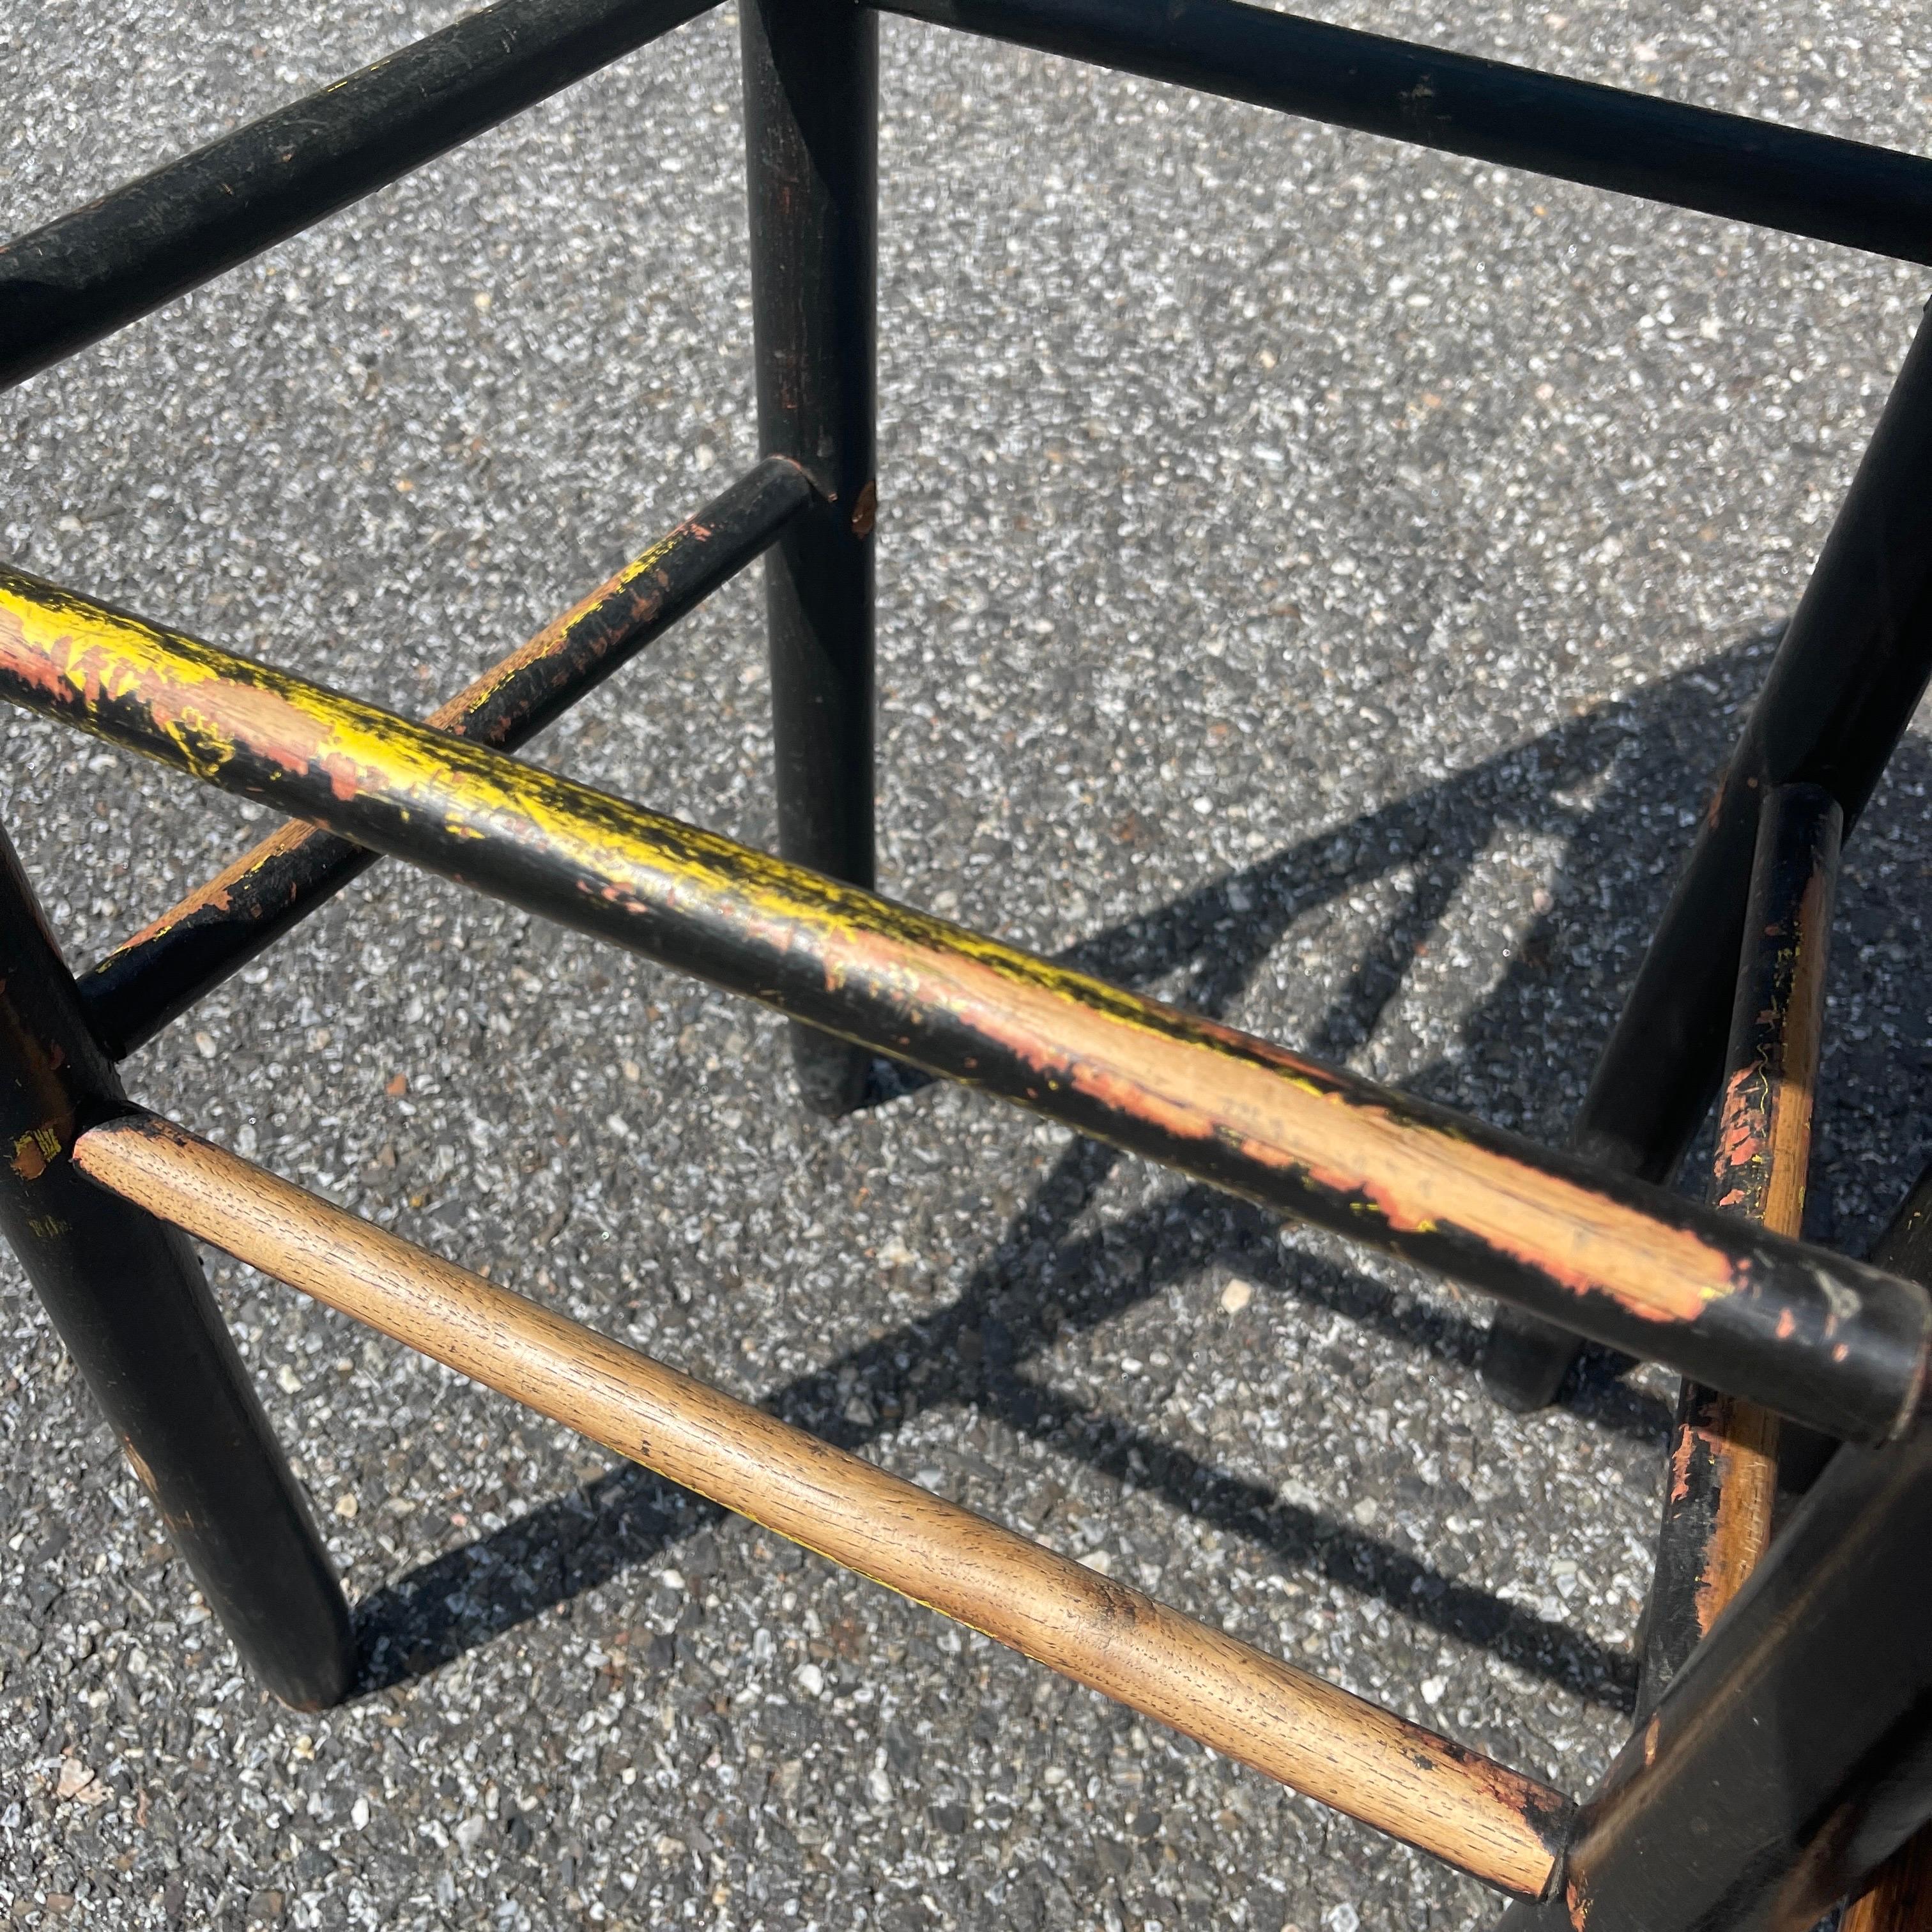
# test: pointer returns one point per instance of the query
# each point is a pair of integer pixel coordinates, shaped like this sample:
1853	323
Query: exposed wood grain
1764	1131
1463	1807
1899	1899
1742	1439
1722	1481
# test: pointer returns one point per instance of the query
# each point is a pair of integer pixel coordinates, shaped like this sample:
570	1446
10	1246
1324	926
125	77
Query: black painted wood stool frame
1782	1761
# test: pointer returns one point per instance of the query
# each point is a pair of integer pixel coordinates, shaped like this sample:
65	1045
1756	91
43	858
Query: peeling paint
1249	1115
212	931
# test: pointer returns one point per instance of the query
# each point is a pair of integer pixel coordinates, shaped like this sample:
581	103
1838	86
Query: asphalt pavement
1318	580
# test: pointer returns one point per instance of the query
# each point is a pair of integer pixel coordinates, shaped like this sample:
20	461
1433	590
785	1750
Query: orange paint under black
1719	1500
1814	1335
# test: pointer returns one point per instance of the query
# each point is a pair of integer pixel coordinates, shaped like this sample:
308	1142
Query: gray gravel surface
1317	580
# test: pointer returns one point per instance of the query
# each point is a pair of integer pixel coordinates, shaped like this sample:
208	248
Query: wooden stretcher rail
1463	1807
1607	137
1787	1764
1848	674
159	972
1827	1341
101	267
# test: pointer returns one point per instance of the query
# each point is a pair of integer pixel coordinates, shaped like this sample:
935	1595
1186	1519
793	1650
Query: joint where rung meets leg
126	1296
1792	1753
810	80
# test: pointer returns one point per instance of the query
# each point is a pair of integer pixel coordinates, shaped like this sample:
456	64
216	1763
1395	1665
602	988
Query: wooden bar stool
1782	1761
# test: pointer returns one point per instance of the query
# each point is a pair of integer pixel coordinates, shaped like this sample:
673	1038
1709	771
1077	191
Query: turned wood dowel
1476	1814
1824	1340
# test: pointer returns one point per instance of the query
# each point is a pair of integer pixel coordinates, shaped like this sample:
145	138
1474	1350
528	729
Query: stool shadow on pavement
1614	791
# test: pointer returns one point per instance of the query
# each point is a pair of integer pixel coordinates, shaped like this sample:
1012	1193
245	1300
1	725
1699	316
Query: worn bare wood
1721	1486
1823	1339
1900	1898
1463	1807
1764	1128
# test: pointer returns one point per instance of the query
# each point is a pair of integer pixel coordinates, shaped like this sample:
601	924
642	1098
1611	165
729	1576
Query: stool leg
1853	664
811	76
1899	1898
1721	1483
1792	1753
128	1298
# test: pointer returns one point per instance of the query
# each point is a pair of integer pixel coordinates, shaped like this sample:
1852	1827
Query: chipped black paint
1819	1338
129	1300
1726	164
1851	668
811	85
104	265
156	975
